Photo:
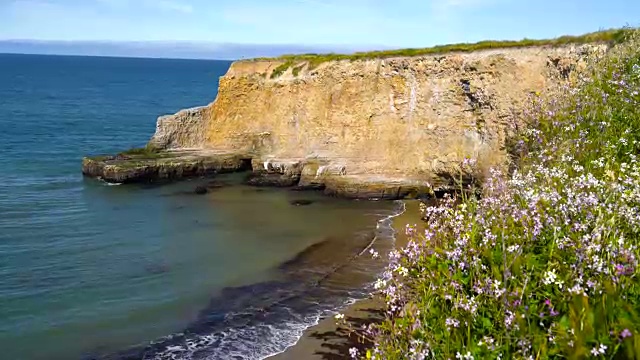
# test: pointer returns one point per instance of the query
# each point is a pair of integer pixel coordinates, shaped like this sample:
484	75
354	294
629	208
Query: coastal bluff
366	128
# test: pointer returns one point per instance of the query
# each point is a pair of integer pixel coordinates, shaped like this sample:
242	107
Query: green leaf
487	324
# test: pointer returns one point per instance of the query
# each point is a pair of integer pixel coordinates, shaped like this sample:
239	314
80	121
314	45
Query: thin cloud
163	5
172	6
463	3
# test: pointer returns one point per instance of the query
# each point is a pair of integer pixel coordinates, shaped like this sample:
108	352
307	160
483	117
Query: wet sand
329	341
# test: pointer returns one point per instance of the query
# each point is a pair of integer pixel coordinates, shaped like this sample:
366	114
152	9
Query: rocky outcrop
282	172
186	129
162	166
382	128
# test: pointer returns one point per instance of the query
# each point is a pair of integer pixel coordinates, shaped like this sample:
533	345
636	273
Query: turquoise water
94	271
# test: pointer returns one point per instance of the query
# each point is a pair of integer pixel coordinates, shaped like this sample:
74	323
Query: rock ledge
163	165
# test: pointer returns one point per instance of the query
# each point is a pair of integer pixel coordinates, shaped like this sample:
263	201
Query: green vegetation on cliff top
606	36
147	151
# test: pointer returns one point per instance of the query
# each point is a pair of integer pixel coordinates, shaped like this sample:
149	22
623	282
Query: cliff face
400	120
186	129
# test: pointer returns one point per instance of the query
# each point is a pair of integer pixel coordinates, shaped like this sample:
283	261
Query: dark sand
330	341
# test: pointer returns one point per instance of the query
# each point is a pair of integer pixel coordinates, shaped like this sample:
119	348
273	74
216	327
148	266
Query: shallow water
95	271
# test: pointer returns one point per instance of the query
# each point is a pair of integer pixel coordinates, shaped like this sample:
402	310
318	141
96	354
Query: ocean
91	271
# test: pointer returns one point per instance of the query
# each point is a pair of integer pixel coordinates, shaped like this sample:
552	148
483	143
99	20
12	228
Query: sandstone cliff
395	121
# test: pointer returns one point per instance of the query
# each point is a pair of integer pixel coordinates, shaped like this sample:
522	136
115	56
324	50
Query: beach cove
93	270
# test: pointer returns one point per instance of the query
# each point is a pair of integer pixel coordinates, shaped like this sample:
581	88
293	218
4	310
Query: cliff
377	123
356	126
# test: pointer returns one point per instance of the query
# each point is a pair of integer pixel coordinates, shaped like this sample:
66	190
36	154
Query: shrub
545	263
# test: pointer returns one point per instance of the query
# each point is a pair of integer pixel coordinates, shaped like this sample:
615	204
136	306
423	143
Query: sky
238	28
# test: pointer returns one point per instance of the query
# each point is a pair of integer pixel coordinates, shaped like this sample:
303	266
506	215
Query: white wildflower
550	277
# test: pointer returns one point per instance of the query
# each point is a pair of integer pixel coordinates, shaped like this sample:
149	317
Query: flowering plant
545	263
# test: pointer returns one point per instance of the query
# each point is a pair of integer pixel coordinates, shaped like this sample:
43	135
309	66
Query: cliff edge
387	124
353	126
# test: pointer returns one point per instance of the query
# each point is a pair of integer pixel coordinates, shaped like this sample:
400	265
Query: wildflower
339	316
419	350
487	341
374	254
450	322
513	248
602	349
410	229
577	290
466	356
625	333
353	352
550	277
394	256
597	351
497	290
403	271
509	318
469	161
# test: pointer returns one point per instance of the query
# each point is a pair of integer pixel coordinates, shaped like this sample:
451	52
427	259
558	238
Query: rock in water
201	190
301	202
216	184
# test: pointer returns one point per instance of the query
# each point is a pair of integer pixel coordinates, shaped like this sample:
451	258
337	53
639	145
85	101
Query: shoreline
358	307
278	310
329	341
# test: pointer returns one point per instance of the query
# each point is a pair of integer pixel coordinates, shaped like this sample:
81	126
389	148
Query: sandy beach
329	341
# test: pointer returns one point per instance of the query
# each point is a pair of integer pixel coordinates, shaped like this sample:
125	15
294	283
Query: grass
296	70
544	264
281	69
143	152
314	60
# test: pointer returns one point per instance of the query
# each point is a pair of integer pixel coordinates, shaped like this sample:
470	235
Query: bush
545	263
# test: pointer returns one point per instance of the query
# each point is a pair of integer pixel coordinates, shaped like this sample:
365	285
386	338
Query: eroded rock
164	165
274	172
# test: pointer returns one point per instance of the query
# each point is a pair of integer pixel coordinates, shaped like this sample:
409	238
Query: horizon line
114	56
212	51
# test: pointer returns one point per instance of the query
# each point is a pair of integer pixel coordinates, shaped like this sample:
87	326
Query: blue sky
340	24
